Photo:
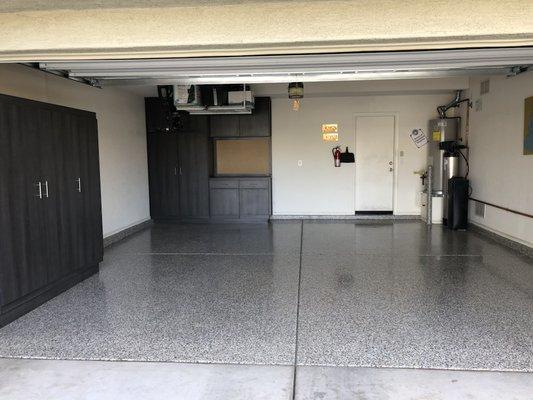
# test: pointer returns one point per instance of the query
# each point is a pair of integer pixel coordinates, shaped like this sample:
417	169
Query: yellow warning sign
330	137
436	136
330	128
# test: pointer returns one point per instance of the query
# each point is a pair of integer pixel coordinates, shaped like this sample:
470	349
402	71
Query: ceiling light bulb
295	104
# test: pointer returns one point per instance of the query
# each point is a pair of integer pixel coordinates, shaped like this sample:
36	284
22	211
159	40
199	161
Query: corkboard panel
243	156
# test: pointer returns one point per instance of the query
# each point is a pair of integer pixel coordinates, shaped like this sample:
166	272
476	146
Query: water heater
441	130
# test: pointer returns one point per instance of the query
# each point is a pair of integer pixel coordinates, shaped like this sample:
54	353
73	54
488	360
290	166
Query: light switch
300	163
401	153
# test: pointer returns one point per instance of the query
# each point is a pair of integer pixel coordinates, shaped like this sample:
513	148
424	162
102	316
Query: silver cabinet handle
79	184
46	189
180	170
39	190
175	170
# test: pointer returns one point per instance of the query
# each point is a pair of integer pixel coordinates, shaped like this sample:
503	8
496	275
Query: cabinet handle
39	190
180	170
46	189
79	184
175	170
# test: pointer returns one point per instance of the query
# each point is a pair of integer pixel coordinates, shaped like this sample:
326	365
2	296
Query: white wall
121	134
317	188
499	172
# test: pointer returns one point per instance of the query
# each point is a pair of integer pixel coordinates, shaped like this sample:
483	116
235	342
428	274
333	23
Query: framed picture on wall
528	126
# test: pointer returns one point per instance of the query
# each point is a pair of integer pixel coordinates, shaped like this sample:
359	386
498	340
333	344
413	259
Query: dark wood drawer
224	183
254	183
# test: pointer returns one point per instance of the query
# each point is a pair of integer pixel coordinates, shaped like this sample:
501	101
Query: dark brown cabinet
50	212
181	160
193	156
243	199
224	201
178	165
157	116
256	124
224	125
163	174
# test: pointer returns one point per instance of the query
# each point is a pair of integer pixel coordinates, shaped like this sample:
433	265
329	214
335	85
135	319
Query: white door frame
394	156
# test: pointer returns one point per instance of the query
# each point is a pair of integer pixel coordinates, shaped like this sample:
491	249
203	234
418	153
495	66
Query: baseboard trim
347	217
118	236
513	244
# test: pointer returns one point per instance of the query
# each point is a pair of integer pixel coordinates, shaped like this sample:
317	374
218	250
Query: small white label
419	138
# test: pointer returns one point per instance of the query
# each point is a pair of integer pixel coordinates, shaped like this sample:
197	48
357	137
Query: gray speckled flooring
390	294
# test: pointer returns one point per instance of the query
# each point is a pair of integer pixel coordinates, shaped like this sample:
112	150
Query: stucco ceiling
42	5
37	30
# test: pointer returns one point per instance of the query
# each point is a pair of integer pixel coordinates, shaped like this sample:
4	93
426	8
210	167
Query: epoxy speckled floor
387	294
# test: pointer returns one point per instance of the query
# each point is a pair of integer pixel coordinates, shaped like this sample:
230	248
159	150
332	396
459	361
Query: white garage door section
374	154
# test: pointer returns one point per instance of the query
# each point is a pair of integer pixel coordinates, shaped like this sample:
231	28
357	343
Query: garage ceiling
39	30
305	68
46	5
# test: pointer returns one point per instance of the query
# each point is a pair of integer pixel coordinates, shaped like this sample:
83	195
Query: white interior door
374	169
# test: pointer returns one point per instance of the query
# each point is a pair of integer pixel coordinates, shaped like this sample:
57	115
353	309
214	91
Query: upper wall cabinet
224	125
156	115
257	123
248	125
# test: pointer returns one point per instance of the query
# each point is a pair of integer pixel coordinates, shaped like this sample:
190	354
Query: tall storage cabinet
50	205
178	169
163	174
193	155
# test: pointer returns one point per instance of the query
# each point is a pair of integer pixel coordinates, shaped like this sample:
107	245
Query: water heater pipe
429	191
452	104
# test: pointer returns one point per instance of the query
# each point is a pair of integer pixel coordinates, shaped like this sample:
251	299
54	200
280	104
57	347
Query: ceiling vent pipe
452	104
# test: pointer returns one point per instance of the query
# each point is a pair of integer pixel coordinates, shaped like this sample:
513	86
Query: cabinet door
194	174
224	125
72	239
89	191
9	270
255	203
257	123
23	265
254	197
163	171
50	172
19	275
224	203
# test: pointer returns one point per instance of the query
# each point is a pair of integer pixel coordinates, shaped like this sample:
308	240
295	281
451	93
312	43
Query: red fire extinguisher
337	155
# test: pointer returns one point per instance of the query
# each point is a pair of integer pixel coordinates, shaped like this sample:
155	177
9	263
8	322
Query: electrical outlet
479	209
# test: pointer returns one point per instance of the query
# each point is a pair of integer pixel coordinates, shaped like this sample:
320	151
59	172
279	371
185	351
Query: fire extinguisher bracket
347	157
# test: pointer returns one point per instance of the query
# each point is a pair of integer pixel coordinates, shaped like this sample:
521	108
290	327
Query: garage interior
213	248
